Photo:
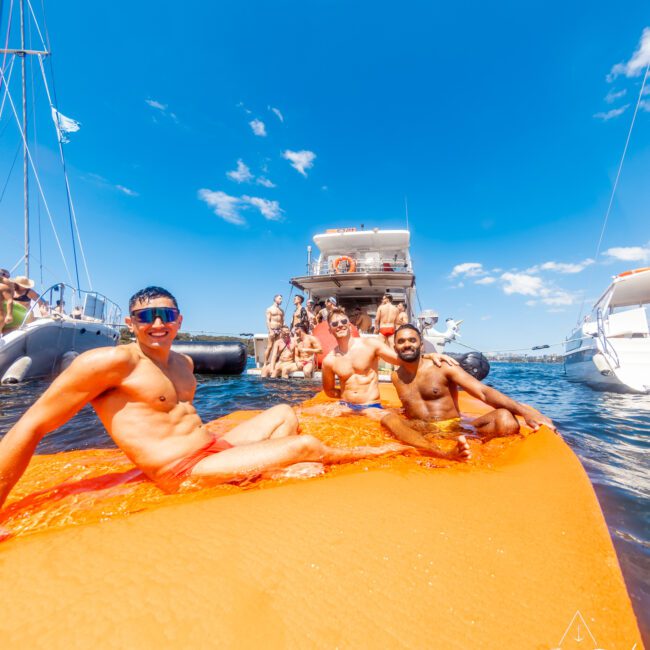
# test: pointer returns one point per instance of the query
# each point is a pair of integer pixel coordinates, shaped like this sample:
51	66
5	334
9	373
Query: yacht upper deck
359	262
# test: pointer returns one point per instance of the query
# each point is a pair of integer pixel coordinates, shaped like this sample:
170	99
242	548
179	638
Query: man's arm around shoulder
89	375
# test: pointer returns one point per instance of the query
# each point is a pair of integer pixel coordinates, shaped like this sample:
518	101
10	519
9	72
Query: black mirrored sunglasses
149	315
336	323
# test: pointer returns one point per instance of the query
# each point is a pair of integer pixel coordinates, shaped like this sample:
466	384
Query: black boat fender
475	363
214	357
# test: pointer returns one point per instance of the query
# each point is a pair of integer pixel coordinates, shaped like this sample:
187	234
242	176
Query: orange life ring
352	265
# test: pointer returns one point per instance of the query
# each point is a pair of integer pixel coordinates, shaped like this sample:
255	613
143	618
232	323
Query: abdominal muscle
155	439
361	388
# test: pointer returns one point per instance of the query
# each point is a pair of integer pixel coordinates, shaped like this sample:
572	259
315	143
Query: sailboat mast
23	66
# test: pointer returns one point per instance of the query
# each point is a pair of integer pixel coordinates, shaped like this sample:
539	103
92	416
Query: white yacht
611	349
46	334
357	267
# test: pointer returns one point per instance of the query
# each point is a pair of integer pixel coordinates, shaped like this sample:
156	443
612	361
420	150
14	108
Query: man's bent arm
87	377
329	381
496	399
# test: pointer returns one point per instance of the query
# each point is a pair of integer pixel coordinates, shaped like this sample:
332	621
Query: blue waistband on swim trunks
361	407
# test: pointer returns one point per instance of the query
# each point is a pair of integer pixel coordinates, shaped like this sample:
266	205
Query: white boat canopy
357	240
627	289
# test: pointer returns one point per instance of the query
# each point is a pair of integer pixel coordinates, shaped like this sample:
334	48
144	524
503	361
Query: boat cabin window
366	261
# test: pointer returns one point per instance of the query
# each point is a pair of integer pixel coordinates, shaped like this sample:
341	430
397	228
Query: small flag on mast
64	125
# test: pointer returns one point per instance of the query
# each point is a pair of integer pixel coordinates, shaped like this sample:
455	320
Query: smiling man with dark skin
430	397
142	393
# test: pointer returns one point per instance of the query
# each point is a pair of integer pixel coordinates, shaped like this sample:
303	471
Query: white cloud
225	206
242	174
277	112
522	283
615	112
468	269
629	253
644	105
270	210
612	95
561	267
300	160
259	128
637	64
486	317
486	280
159	106
265	182
155	104
557	297
126	190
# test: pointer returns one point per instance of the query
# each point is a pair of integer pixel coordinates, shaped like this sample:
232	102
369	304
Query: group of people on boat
17	296
293	347
143	391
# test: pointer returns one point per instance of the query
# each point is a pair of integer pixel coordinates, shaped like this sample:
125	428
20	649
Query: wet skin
143	394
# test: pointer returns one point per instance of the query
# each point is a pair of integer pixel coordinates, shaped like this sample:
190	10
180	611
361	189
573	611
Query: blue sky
502	124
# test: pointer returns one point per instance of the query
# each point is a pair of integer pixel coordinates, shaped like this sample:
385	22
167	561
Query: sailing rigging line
11	9
38	181
71	211
618	175
4	189
4	96
74	227
35	139
620	166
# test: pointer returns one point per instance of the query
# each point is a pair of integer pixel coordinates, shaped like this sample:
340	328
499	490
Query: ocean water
609	432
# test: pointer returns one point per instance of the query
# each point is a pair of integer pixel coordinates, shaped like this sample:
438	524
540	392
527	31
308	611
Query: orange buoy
351	264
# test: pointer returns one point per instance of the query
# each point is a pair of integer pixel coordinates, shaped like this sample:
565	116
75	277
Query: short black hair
387	295
301	298
148	294
277	295
408	326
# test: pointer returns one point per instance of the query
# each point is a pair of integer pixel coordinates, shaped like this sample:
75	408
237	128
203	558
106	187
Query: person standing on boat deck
402	316
429	394
363	321
311	315
306	347
300	313
274	324
24	293
281	353
143	392
6	299
330	304
386	318
355	361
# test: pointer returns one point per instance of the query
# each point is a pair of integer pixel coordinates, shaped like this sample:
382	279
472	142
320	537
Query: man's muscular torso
386	315
428	395
149	412
357	371
274	317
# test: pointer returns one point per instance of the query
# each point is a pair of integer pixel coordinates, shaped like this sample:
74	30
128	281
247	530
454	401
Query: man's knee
285	413
506	422
307	446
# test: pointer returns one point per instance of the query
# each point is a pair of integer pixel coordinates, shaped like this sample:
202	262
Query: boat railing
606	347
375	265
90	306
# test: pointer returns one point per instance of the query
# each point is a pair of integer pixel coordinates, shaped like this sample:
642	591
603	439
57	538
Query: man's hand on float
535	420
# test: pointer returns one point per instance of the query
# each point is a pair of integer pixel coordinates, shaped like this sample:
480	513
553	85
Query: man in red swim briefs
386	319
142	393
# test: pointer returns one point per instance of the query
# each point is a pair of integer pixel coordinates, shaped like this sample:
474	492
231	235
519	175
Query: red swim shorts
387	331
177	473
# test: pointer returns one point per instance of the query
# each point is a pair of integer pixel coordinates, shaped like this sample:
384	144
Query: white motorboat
358	267
611	349
43	338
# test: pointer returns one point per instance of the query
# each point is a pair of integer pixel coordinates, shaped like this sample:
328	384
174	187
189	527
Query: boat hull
46	340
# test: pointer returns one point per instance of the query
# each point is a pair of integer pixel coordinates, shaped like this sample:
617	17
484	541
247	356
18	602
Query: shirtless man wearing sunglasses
142	393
